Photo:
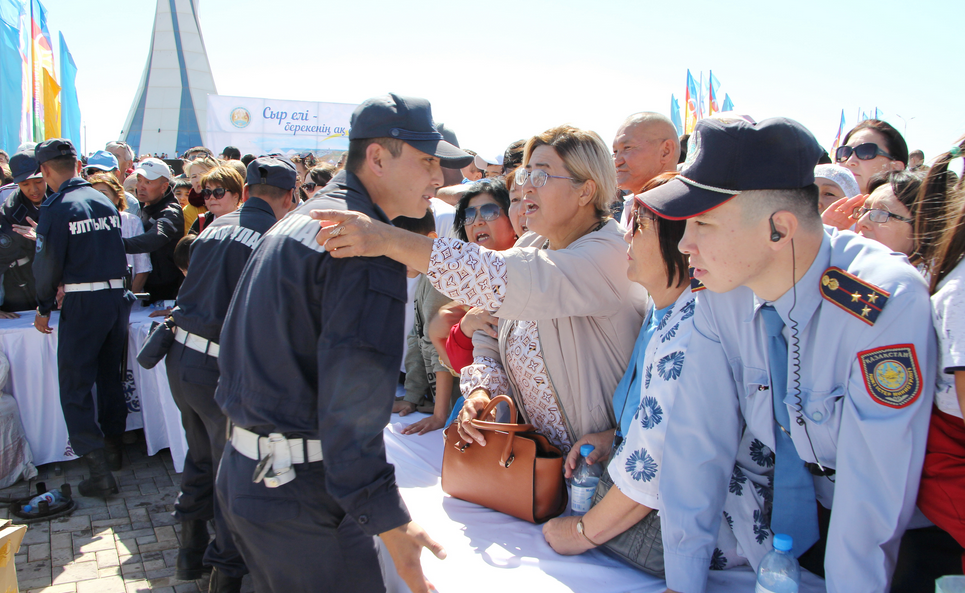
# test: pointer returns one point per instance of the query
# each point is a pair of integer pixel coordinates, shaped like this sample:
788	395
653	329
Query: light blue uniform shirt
876	448
626	397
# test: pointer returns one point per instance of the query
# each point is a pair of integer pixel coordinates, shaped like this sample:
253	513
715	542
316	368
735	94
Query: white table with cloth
489	551
34	383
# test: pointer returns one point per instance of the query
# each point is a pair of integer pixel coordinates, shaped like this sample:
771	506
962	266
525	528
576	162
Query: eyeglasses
488	212
641	219
309	186
216	193
877	215
864	152
537	177
197	155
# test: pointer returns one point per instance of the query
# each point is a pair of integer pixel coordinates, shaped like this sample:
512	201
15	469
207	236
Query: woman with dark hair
315	179
873	146
482	215
941	495
888	215
643	403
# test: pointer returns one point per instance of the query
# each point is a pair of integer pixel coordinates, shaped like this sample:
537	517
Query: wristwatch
580	529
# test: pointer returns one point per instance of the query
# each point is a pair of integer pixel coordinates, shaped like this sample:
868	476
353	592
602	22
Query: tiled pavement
125	544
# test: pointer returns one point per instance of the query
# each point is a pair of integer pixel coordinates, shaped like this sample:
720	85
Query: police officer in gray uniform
79	244
310	353
819	342
218	256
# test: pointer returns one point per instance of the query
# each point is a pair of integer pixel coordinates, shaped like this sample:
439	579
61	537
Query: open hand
426	425
29	232
477	319
405	545
351	234
838	213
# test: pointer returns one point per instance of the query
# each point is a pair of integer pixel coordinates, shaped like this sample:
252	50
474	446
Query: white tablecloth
490	551
34	383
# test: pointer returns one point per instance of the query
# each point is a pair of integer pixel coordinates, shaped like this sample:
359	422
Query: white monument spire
170	106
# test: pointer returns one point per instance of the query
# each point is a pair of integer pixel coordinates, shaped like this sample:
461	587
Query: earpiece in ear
775	236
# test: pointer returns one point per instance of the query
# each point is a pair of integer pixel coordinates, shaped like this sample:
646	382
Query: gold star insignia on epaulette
862	300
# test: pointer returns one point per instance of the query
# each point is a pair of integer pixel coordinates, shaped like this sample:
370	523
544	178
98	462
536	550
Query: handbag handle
507	457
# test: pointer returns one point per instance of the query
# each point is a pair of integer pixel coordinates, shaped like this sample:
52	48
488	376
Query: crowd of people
755	336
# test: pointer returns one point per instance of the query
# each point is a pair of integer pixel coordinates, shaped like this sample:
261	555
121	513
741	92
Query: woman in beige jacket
568	314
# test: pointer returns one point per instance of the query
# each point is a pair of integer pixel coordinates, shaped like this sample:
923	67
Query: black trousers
295	537
91	341
193	377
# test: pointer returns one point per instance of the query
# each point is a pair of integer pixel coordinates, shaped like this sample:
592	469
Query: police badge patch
40	243
891	374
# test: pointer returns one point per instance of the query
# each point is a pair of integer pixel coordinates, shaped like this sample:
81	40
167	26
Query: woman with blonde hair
568	316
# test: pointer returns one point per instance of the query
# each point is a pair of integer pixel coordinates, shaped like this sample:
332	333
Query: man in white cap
163	227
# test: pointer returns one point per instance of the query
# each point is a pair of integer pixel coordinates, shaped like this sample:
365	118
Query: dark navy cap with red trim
728	156
409	119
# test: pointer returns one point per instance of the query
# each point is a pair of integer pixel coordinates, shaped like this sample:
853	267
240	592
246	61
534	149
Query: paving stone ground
125	544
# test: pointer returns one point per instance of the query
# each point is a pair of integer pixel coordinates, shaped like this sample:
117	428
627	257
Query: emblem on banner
240	117
891	374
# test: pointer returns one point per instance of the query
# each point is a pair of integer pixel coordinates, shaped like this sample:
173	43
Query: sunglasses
197	155
488	212
309	186
537	177
641	219
216	193
877	215
864	152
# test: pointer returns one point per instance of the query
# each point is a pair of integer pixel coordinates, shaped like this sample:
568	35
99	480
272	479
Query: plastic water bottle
779	571
52	497
584	481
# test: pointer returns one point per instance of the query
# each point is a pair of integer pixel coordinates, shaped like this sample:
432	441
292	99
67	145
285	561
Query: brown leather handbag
519	472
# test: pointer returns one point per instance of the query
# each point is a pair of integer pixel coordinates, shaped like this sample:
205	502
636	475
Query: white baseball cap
153	168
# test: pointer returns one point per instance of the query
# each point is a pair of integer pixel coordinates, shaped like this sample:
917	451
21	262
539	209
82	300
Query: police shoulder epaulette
859	298
695	284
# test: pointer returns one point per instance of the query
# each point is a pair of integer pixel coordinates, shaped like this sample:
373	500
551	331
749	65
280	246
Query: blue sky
497	71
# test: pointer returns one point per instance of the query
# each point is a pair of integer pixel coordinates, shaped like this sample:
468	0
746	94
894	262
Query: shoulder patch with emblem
40	243
863	300
891	374
695	285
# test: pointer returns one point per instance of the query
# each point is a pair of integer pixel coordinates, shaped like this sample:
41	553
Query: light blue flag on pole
879	114
713	101
11	74
727	105
675	115
69	107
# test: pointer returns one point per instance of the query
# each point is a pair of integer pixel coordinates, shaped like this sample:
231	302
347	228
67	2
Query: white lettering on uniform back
104	223
299	227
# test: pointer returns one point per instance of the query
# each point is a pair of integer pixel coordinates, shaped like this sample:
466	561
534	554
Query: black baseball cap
23	166
409	119
276	171
52	149
728	156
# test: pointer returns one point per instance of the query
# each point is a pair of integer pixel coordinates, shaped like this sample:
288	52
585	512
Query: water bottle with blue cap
779	571
584	481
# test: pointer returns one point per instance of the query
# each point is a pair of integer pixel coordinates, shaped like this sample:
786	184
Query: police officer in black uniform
310	353
218	257
16	248
79	244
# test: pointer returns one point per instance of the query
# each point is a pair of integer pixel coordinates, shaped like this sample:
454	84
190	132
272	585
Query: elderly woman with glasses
888	215
223	187
568	315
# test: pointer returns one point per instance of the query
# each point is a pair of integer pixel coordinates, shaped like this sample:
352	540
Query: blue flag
11	74
728	105
69	107
675	115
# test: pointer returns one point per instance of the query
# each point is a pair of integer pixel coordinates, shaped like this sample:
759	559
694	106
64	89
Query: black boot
101	481
221	583
194	541
112	452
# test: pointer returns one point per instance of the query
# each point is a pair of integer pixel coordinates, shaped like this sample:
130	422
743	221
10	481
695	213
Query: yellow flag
51	107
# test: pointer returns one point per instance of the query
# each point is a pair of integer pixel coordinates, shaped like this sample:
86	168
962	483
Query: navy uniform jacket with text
867	381
311	347
78	240
218	256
